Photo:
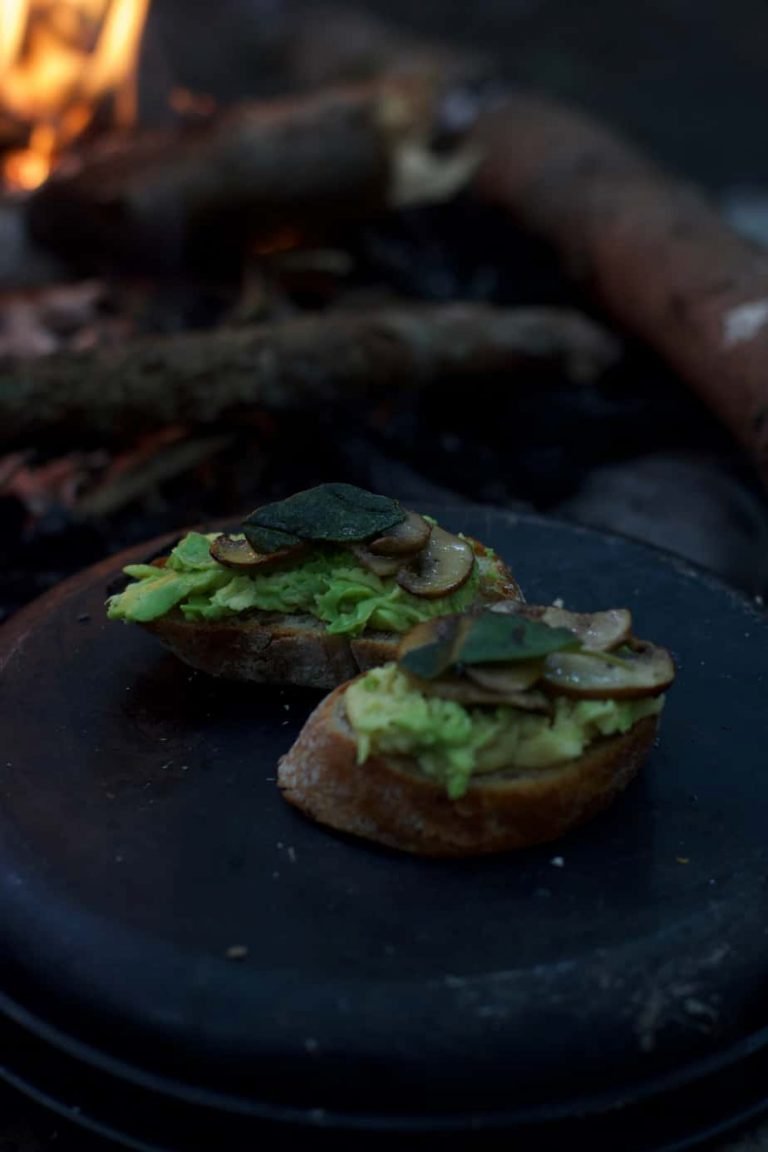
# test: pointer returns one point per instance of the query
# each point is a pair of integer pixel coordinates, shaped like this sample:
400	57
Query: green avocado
327	583
452	742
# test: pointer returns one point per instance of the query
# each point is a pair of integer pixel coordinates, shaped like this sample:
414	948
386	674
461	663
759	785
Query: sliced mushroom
505	679
443	566
236	553
638	670
528	702
432	644
381	565
405	539
464	691
597	631
434	631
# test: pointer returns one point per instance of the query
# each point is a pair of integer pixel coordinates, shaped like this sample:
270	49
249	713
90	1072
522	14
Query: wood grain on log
198	378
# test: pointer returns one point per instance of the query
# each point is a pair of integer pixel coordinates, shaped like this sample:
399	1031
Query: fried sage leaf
268	540
329	513
487	638
496	639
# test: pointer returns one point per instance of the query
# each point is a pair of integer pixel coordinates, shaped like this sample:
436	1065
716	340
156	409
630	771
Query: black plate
142	837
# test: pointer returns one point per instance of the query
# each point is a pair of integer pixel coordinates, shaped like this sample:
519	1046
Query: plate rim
18	626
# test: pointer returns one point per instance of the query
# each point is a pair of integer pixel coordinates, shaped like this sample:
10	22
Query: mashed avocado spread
451	742
328	584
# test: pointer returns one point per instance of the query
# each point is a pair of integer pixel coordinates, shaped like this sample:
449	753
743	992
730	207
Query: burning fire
61	61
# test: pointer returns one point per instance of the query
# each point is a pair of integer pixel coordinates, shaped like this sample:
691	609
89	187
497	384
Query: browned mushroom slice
433	644
236	553
528	701
442	567
464	691
438	630
598	631
638	670
381	565
405	539
505	679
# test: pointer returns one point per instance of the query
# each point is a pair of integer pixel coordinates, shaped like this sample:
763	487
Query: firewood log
651	249
154	199
297	364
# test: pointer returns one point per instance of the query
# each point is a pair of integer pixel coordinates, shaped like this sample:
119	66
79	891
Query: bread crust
272	649
389	800
278	649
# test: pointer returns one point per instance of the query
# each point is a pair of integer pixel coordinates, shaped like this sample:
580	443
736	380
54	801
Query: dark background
688	81
687	78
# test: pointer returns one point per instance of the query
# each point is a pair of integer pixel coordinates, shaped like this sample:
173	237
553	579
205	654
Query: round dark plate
142	839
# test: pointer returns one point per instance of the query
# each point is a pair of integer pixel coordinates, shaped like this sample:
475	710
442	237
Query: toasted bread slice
278	649
273	649
389	800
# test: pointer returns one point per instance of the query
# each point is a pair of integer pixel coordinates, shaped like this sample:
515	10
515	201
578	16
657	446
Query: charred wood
161	199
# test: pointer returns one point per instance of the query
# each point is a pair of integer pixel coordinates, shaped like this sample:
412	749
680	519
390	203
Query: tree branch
198	378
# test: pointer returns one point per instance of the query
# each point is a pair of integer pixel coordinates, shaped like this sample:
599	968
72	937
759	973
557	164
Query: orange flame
59	61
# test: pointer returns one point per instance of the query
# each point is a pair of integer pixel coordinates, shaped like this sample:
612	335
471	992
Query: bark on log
197	378
654	252
255	168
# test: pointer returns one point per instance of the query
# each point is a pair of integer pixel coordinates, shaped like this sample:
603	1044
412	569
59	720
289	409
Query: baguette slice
277	649
269	648
389	800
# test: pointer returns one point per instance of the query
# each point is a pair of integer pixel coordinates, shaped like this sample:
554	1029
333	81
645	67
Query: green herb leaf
487	638
268	540
329	513
496	638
